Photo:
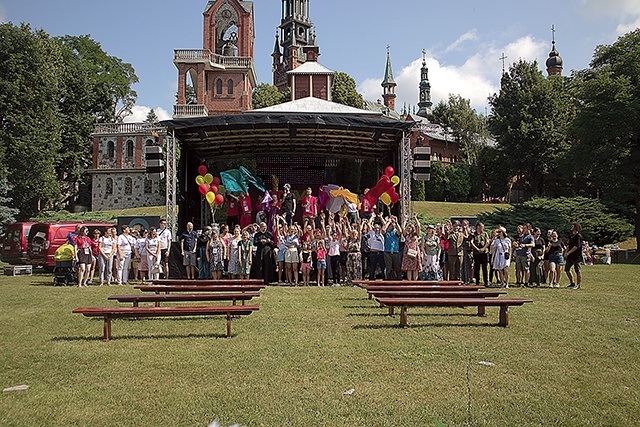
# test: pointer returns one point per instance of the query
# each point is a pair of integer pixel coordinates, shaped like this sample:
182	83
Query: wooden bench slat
197	288
137	298
109	313
409	282
206	282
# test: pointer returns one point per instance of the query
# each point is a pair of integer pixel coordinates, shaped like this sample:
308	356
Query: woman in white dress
501	250
234	265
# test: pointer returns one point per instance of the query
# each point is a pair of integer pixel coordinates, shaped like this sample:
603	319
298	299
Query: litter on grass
17	388
349	392
485	363
630	319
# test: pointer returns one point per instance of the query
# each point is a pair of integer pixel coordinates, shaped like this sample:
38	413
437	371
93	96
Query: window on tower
219	87
230	87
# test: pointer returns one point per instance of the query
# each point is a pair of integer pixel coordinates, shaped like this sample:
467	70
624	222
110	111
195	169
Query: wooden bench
437	294
405	303
364	283
197	288
205	282
452	288
157	299
109	313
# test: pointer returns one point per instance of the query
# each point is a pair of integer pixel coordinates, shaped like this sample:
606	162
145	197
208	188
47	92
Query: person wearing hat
288	204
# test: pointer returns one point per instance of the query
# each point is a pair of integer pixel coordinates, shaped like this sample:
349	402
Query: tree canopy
266	95
345	92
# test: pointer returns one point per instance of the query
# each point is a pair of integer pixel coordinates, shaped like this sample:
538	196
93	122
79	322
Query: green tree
467	126
417	190
435	188
458	182
152	118
344	91
31	70
607	124
7	213
529	119
266	95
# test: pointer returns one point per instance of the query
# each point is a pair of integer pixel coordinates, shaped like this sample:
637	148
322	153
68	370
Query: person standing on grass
354	256
203	266
125	248
376	256
431	251
263	262
154	254
107	249
523	245
574	256
233	266
141	250
392	259
501	249
555	249
164	237
456	238
412	255
95	254
480	245
188	241
216	254
245	256
537	265
82	242
321	263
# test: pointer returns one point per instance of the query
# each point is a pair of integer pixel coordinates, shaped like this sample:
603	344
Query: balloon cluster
208	186
385	188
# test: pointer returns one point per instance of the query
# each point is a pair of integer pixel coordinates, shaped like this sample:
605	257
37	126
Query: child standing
245	255
321	253
306	258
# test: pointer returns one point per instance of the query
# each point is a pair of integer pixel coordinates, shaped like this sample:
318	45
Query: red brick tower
222	73
389	86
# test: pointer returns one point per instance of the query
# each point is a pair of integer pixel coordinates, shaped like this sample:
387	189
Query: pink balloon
219	199
213	189
216	181
389	171
203	189
202	170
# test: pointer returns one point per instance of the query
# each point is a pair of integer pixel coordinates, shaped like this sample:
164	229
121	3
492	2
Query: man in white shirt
164	237
376	257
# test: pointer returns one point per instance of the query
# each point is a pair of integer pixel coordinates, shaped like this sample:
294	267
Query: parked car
14	243
45	238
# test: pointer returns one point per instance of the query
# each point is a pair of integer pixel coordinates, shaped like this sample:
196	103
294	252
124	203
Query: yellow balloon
395	179
199	179
208	178
210	197
386	199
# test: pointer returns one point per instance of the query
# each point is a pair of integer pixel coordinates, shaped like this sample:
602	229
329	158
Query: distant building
118	175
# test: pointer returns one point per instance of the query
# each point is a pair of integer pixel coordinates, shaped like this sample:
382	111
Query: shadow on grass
139	337
385	313
426	325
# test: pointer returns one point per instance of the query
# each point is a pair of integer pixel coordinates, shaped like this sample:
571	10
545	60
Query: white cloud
476	79
139	114
625	12
469	35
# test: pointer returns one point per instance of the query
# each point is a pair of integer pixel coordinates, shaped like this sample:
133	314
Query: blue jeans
203	265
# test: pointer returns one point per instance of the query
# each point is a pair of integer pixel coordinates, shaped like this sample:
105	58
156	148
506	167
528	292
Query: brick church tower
222	73
389	85
295	43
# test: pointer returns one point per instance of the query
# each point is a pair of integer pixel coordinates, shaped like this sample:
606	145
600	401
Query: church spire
554	63
425	89
389	85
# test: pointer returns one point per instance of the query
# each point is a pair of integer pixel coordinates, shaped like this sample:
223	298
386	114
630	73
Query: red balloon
219	200
216	181
389	171
393	195
202	170
203	189
213	189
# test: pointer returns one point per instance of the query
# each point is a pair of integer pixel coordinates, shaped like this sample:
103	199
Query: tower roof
388	72
276	48
555	60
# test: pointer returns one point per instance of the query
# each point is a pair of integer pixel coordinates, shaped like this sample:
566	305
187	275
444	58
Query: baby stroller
65	269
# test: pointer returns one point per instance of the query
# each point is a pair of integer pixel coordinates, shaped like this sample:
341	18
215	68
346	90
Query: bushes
599	224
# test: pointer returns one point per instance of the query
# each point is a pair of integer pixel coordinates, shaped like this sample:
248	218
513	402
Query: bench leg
392	312
228	325
481	311
107	329
504	315
370	295
403	318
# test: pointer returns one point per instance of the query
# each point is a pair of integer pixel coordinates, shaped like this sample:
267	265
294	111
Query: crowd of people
330	248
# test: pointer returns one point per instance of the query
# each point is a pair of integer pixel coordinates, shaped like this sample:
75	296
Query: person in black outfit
574	256
263	266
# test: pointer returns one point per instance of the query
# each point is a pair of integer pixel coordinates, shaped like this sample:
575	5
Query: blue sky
464	39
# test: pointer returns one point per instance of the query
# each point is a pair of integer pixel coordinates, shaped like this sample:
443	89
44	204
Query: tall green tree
31	82
465	123
434	189
266	95
345	92
152	117
607	125
529	119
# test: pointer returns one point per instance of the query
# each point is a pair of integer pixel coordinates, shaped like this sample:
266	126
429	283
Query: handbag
412	253
156	269
506	254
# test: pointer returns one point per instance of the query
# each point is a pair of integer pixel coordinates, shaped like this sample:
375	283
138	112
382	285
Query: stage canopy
306	127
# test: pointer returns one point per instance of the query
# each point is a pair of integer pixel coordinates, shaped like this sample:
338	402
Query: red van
14	243
45	238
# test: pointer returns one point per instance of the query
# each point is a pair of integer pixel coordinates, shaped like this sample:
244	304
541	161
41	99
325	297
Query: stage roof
274	133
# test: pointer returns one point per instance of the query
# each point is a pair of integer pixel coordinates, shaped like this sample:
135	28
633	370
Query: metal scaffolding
171	180
405	177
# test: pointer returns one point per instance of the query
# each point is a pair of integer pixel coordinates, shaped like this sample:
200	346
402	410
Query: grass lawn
568	359
447	209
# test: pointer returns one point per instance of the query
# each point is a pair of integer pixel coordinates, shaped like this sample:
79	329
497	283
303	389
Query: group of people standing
118	257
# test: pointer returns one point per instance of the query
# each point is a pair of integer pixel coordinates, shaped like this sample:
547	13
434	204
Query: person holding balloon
392	260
